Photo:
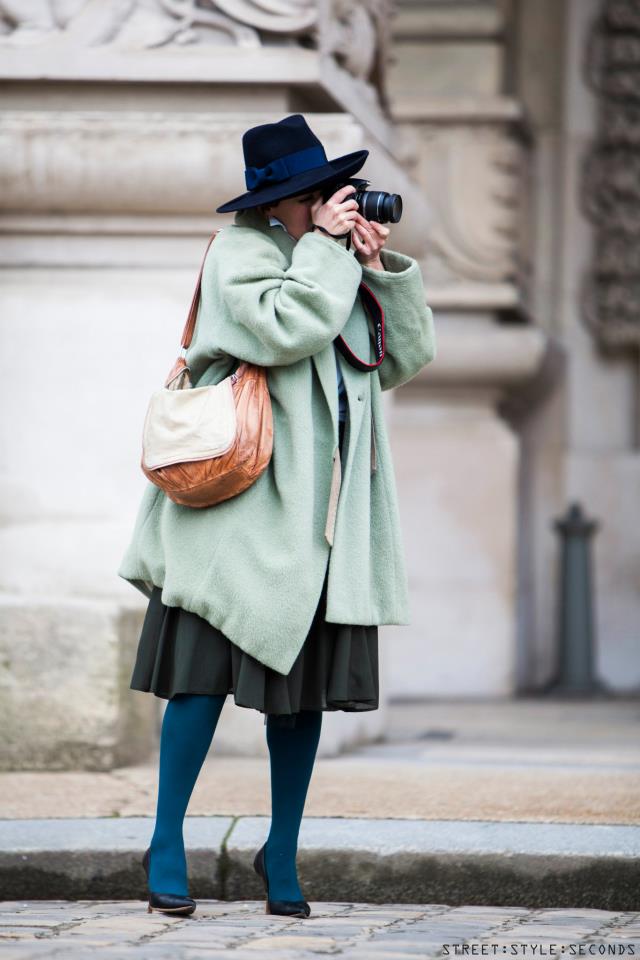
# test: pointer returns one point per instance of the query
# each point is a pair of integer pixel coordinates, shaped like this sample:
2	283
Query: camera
372	204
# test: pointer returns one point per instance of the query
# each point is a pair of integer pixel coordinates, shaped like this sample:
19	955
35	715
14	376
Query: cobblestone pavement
351	931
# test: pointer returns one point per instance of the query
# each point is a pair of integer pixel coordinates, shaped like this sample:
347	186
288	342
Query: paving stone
342	925
402	947
381	955
23	932
33	920
299	942
436	930
246	953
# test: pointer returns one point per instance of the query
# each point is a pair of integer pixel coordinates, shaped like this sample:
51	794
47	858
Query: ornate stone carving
474	178
358	36
137	163
152	23
242	19
611	177
355	35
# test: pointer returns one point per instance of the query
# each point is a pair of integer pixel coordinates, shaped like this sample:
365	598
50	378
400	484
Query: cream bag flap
195	423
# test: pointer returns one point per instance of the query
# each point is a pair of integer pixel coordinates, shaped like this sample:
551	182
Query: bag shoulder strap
187	333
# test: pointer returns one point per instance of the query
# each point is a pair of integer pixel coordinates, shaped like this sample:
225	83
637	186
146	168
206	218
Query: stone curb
360	860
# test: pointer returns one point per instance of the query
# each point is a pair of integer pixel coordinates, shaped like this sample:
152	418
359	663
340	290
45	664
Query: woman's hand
338	214
369	237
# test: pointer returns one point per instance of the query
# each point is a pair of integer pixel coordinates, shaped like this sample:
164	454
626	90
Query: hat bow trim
284	167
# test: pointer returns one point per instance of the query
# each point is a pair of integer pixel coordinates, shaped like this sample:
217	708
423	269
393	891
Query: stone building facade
509	127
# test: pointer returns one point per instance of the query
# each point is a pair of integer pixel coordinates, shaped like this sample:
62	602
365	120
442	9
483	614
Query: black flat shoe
284	908
167	902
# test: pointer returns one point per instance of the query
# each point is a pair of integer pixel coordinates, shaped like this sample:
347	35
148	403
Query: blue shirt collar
274	222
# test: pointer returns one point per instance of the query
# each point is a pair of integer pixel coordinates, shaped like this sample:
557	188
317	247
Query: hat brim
344	166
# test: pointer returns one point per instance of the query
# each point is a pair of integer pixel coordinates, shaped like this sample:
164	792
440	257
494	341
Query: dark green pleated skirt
180	652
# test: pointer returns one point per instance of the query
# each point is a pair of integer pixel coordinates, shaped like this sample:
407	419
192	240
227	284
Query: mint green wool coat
254	565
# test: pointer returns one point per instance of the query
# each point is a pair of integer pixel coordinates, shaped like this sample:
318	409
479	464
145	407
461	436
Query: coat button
360	396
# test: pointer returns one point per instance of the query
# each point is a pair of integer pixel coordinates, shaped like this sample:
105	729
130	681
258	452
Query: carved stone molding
485	355
136	175
107	163
610	185
358	36
354	35
475	178
153	23
84	162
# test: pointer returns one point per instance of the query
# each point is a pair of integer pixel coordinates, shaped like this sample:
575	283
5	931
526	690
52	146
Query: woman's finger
382	230
364	230
366	242
361	241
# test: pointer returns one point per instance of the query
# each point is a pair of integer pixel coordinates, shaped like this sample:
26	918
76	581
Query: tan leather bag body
202	445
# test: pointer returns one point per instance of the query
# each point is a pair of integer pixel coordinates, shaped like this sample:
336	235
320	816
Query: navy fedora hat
285	158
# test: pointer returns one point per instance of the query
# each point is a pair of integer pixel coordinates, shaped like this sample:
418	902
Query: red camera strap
373	308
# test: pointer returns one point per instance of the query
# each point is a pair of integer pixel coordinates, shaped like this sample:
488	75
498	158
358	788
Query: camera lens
394	206
381	206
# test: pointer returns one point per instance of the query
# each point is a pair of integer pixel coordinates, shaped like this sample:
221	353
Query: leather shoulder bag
202	445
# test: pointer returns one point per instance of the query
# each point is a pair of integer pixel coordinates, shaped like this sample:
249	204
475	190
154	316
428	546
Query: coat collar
253	218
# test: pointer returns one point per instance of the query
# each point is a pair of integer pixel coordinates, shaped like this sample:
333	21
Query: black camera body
372	204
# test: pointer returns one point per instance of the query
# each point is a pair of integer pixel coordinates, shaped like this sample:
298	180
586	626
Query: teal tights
292	752
188	726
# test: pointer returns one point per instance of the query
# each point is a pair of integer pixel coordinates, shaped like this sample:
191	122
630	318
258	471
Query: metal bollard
575	621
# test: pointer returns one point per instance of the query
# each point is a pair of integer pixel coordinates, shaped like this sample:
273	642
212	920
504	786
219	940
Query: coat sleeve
255	307
409	334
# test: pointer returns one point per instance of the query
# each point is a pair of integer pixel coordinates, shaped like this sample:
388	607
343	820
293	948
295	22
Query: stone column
458	454
581	434
458	471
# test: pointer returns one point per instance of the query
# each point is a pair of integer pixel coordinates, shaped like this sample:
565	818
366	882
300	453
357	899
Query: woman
275	595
